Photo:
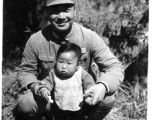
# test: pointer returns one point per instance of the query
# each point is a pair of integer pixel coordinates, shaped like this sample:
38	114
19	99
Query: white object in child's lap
50	100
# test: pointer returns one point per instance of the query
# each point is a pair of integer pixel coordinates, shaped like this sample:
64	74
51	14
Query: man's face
61	17
67	63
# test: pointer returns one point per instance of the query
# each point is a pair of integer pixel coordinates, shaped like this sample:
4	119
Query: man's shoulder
83	29
40	36
37	34
86	32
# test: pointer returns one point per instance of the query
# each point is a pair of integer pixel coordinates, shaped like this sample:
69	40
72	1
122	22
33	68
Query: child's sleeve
49	81
87	80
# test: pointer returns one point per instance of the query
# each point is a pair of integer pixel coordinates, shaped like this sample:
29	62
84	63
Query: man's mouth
61	23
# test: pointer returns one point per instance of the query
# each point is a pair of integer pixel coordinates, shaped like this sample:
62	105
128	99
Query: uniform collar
67	37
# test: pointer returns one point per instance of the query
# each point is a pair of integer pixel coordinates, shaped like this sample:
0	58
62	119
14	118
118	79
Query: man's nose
61	15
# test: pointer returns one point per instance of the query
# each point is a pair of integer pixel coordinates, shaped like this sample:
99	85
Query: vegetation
122	24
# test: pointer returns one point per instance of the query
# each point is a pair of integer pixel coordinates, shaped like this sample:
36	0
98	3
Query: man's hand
35	87
45	93
98	92
88	98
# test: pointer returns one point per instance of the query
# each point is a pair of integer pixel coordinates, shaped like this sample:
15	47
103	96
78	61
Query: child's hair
70	47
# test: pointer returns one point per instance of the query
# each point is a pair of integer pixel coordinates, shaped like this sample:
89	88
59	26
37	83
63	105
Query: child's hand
45	93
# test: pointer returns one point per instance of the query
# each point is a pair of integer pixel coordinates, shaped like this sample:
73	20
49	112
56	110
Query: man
39	58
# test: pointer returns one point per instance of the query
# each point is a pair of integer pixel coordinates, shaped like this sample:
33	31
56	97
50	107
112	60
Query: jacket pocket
47	63
46	58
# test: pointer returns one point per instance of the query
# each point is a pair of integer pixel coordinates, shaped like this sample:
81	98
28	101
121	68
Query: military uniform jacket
39	56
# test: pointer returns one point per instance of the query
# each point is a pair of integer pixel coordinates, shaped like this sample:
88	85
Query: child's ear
78	65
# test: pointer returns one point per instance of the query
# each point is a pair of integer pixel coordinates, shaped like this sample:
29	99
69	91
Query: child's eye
60	61
69	63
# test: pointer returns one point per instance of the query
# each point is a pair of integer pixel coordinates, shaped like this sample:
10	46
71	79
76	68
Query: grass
131	103
131	100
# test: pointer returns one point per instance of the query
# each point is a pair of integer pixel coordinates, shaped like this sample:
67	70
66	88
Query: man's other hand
98	92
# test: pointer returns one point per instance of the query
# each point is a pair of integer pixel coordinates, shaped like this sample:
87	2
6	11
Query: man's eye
54	10
67	10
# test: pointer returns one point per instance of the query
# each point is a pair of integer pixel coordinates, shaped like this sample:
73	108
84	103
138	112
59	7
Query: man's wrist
29	85
106	88
27	88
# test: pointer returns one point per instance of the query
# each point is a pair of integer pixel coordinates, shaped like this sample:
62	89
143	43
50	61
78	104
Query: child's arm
87	82
49	81
46	89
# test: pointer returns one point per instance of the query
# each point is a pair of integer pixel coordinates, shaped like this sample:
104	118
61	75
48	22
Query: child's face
67	63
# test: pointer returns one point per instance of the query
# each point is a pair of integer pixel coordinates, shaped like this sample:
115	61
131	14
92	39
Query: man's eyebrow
69	5
54	7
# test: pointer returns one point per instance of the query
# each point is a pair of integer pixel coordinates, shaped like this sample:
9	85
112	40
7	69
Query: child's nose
64	66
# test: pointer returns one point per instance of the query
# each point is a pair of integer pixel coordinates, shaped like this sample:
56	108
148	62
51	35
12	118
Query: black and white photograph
75	60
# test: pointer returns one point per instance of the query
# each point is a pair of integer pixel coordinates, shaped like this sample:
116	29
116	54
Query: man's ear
75	6
75	9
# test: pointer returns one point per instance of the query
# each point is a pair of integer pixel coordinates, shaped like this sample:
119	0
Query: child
68	80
